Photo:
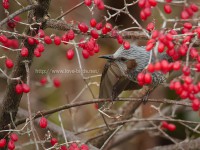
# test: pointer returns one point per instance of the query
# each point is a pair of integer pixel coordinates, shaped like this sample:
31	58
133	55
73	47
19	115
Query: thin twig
70	10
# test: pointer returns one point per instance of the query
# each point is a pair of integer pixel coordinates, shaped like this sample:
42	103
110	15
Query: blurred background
73	87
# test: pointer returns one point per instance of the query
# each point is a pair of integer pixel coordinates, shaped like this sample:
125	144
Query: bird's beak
109	57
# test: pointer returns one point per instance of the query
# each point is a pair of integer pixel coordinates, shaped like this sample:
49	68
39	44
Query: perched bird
121	71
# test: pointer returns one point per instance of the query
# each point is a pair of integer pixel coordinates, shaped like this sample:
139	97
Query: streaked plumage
121	70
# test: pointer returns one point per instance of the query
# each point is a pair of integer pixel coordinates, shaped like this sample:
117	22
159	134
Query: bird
121	70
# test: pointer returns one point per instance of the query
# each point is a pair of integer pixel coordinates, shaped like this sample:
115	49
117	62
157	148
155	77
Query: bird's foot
145	97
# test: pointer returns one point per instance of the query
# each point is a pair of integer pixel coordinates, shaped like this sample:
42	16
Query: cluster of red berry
98	3
144	78
20	88
167	43
13	22
11	142
5	4
168	126
147	5
43	124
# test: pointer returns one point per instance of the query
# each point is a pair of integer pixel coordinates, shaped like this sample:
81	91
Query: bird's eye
122	59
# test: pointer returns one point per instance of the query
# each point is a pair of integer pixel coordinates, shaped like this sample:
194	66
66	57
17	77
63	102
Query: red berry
56	82
164	124
31	41
187	25
96	48
43	80
188	80
177	65
182	50
36	40
26	88
43	122
173	32
63	147
183	94
18	89
4	39
104	30
101	5
126	45
150	68
147	78
14	137
197	66
184	14
11	23
161	47
2	143
83	27
194	7
195	104
85	53
177	85
164	66
140	77
169	37
149	46
40	47
143	16
6	4
9	63
37	53
157	66
189	11
193	52
54	141
108	27
186	70
70	54
88	2
171	127
147	11
168	1
153	3
24	52
47	39
120	39
11	145
71	35
97	2
155	34
84	147
141	3
74	145
93	23
167	8
94	34
57	40
41	33
99	26
150	26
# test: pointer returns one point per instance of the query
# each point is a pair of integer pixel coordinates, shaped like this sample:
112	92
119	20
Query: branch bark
67	106
188	145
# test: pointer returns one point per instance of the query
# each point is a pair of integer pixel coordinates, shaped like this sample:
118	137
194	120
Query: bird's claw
145	97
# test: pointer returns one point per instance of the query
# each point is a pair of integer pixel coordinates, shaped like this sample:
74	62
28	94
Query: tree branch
188	145
27	8
11	99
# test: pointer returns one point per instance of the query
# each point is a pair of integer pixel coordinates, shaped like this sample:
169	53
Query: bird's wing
110	76
113	82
